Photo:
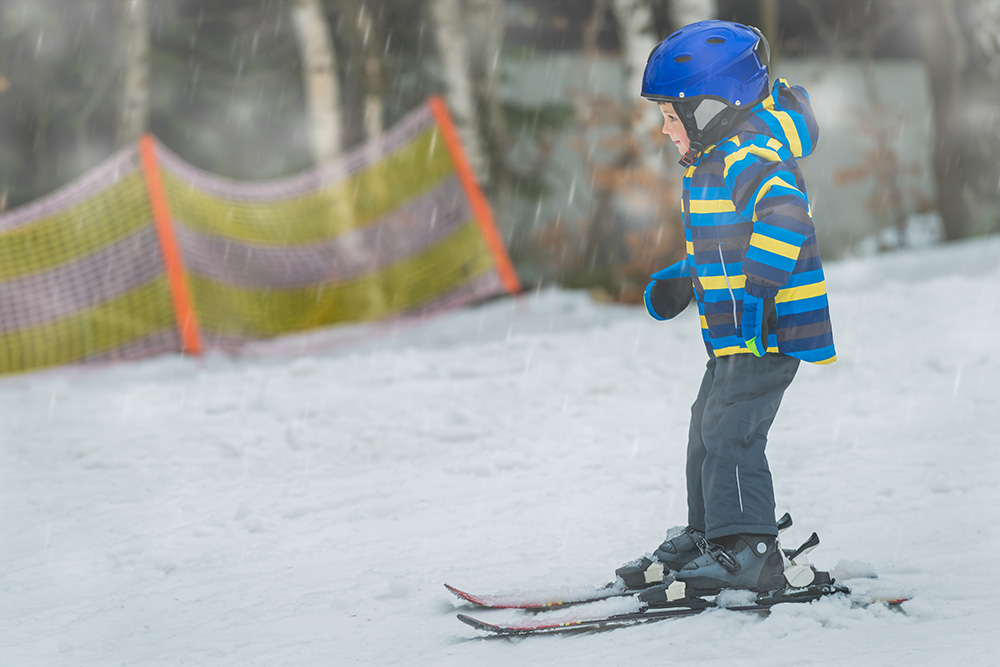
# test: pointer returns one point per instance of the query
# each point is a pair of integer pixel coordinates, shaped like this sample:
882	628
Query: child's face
674	128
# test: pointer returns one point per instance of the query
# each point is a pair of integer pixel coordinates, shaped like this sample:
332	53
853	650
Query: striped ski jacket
749	228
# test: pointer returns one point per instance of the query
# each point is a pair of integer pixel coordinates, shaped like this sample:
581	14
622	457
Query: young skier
754	269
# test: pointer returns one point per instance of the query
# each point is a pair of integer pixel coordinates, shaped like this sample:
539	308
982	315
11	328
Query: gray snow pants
728	480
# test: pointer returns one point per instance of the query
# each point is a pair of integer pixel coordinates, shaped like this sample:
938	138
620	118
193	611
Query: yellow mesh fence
74	233
392	229
81	276
361	199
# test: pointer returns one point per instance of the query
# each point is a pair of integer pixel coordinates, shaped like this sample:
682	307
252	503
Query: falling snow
305	511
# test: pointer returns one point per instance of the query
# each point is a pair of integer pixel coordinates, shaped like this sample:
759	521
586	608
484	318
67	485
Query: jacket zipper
729	285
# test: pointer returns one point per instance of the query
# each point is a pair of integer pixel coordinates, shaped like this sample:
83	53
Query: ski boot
703	576
749	562
681	546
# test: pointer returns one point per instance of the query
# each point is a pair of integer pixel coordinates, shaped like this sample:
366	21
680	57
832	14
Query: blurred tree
620	220
320	78
646	186
599	247
59	108
369	31
684	12
225	82
880	122
228	90
133	114
362	33
454	51
769	22
485	27
635	26
961	46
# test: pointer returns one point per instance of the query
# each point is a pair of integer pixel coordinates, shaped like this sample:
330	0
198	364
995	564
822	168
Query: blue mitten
759	317
669	292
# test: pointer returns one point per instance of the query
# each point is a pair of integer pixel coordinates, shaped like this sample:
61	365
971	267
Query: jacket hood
786	115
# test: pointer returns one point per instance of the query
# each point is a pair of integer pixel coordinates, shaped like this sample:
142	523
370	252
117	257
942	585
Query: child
754	269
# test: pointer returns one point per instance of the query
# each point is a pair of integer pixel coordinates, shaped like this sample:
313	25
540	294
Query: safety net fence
146	254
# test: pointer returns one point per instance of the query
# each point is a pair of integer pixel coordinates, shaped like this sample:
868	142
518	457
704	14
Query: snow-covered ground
306	511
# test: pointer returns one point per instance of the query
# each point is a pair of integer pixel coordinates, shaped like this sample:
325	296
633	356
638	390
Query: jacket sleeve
675	270
766	190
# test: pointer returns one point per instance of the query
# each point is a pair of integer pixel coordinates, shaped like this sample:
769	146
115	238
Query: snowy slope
307	511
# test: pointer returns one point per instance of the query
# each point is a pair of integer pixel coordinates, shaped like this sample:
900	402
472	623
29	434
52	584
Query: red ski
542	600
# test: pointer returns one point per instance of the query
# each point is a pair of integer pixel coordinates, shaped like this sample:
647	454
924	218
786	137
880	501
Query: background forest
543	91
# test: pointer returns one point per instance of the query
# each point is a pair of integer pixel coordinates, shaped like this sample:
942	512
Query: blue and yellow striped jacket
749	227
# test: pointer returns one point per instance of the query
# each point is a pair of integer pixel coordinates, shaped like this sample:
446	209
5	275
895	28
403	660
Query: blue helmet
710	71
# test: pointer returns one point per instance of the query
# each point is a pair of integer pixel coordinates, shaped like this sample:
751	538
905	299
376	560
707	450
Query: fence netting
390	230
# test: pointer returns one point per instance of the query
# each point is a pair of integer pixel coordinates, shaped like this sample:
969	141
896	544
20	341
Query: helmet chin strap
694	149
714	128
686	111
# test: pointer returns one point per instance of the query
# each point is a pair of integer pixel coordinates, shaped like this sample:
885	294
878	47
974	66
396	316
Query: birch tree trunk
323	104
320	78
486	24
635	21
636	28
454	51
133	114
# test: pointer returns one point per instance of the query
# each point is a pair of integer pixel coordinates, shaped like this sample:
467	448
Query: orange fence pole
480	207
187	321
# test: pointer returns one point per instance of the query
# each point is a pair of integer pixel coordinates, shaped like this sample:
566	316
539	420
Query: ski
543	600
540	626
680	608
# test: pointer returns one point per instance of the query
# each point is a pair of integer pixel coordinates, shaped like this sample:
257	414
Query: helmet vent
682	59
715	40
